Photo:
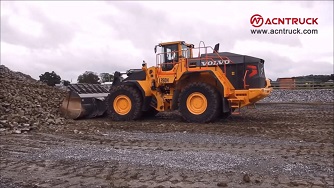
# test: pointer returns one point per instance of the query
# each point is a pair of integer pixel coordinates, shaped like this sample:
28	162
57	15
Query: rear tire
199	103
124	103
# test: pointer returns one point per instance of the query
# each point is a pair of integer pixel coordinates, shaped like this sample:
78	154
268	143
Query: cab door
171	56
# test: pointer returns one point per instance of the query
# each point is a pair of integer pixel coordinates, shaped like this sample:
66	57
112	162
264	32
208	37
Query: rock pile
26	103
301	96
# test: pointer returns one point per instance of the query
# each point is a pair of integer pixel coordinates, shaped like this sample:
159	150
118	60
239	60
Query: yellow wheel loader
202	83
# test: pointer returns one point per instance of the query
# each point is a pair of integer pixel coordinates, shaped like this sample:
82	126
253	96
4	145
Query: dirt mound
26	103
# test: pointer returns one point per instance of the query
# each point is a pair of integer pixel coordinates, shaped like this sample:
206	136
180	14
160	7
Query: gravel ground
301	96
274	145
184	158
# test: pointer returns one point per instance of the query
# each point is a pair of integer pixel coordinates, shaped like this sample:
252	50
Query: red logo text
257	21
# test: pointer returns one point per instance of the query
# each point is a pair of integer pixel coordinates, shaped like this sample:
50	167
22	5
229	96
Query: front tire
199	103
151	111
124	103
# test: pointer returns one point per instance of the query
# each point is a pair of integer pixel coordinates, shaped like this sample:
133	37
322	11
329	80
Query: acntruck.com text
284	31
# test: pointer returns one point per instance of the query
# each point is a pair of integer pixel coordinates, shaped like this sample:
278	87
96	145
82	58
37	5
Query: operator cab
170	53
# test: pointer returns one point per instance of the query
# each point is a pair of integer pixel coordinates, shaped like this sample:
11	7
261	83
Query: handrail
214	52
245	79
159	56
199	45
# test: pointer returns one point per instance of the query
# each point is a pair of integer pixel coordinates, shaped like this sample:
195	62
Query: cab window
170	53
185	51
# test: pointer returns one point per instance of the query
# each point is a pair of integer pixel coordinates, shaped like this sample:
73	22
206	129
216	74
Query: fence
302	85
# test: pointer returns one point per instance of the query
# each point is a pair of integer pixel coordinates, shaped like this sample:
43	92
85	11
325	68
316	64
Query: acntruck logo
257	21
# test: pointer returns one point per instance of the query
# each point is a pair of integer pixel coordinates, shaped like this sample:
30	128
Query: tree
66	82
106	77
88	77
51	79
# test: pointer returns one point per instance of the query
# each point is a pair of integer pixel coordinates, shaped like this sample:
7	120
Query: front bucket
84	101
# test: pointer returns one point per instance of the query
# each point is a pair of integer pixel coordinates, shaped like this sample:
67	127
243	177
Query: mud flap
226	106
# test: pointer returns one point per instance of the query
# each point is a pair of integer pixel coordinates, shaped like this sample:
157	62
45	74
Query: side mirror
155	49
143	64
216	48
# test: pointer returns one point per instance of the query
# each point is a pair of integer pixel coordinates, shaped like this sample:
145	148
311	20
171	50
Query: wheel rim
197	103
122	104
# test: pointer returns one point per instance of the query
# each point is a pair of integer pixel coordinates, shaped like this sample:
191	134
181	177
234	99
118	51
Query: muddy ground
274	145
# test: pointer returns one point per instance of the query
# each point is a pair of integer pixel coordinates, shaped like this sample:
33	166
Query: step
236	113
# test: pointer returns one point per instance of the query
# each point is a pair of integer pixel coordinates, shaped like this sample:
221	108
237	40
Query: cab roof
173	42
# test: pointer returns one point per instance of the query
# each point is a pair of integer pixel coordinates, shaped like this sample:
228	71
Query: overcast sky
104	36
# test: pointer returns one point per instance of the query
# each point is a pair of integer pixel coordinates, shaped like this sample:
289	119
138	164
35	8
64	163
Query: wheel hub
122	104
197	103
